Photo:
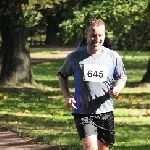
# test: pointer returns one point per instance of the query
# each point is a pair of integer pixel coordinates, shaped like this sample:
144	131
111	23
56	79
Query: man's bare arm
63	83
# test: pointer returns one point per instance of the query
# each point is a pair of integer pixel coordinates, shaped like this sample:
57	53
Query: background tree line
63	21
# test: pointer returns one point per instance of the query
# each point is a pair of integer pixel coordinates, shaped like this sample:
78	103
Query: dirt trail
10	140
51	57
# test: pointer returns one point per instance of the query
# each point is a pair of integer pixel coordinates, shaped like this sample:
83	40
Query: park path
50	57
11	140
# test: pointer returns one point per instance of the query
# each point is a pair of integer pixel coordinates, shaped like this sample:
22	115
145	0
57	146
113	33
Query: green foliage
32	15
46	3
31	10
38	12
137	36
120	16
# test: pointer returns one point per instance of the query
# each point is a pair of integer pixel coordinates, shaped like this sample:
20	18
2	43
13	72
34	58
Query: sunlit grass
43	52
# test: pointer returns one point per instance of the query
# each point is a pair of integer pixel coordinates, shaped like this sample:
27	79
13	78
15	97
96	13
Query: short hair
94	22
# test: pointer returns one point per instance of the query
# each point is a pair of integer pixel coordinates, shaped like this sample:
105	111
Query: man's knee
90	143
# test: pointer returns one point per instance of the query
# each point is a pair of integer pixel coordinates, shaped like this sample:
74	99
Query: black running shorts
101	125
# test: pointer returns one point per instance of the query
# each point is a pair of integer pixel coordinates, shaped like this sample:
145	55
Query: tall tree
16	60
54	17
15	16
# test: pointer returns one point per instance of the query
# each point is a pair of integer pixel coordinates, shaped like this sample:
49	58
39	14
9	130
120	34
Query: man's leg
102	146
105	123
90	143
87	131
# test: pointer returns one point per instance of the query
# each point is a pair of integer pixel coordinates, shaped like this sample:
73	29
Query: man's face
95	36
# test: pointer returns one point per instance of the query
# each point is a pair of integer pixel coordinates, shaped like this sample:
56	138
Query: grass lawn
42	52
39	112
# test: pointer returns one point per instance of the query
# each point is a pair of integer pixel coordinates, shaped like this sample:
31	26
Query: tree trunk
51	31
16	67
146	77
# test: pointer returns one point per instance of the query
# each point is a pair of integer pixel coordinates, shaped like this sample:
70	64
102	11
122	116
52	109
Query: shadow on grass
133	101
131	137
133	84
143	147
135	64
137	84
36	122
53	83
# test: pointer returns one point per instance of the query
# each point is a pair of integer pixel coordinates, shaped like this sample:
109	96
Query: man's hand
70	103
114	92
119	85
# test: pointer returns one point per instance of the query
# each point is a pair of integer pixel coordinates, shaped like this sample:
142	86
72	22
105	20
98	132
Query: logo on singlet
95	73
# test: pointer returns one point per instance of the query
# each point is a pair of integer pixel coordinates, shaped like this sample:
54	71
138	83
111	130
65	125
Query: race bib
95	73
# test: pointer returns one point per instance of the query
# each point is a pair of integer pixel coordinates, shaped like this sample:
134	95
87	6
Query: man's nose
97	37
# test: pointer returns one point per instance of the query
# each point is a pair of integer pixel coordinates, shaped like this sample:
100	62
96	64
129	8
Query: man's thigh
85	126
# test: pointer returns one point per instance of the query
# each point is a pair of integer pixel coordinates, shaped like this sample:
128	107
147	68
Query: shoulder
75	54
111	52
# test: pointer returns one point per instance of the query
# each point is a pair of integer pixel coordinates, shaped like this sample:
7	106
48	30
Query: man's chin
96	46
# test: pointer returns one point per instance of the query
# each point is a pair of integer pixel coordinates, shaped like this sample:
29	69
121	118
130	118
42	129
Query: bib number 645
99	74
